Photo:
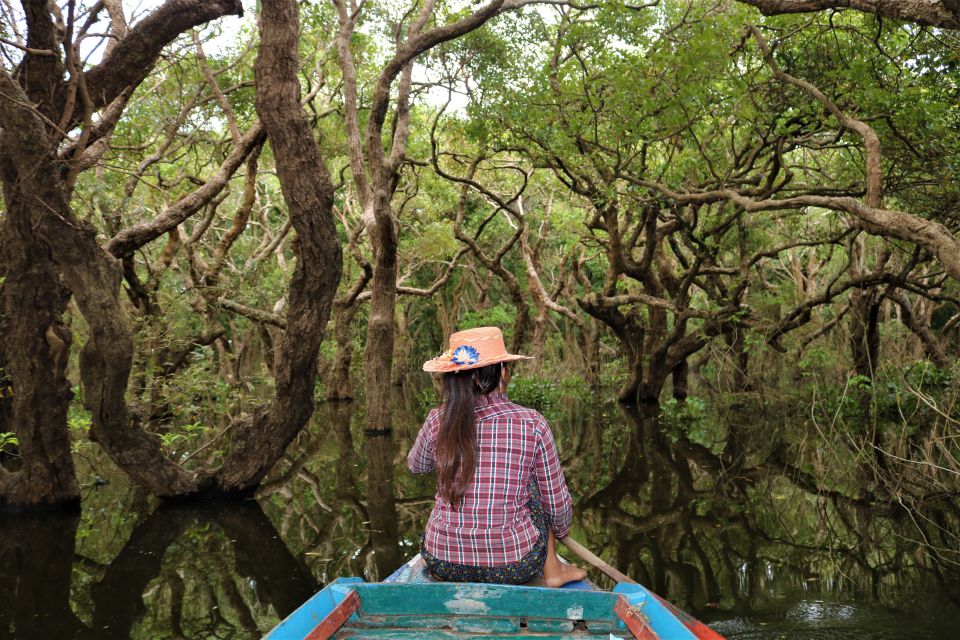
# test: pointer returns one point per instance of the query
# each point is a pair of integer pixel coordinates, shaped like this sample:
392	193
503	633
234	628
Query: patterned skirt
523	570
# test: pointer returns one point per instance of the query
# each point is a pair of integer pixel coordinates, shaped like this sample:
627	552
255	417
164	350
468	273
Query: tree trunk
864	333
378	362
632	336
681	381
308	192
654	379
36	346
919	324
378	354
404	347
338	384
50	254
93	276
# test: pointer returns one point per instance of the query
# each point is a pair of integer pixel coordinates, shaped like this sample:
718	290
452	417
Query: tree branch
923	12
129	62
132	238
931	235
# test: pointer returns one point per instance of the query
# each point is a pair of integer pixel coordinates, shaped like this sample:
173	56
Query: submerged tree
51	255
663	185
694	188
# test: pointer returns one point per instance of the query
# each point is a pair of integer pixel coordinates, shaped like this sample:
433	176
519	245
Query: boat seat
416	571
465	611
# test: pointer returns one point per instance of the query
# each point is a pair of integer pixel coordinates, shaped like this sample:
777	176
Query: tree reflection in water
186	571
739	534
727	531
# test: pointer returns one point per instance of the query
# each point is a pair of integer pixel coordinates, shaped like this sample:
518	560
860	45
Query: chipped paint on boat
407	605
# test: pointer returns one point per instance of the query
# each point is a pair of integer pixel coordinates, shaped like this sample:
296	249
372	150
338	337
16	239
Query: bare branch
131	238
929	234
258	315
36	52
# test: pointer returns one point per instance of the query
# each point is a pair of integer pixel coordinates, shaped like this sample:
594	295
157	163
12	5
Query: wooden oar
587	556
639	625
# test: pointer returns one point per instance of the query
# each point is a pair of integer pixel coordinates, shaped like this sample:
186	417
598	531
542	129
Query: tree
50	255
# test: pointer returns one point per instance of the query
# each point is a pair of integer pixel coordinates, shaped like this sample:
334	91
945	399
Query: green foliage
184	437
78	420
9	443
815	359
547	396
915	394
923	375
692	419
501	315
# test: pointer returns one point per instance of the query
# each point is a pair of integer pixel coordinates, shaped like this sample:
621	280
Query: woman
501	497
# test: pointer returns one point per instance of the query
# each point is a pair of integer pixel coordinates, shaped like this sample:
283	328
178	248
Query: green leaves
9	444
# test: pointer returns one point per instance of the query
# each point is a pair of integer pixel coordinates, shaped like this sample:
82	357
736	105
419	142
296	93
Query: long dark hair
456	452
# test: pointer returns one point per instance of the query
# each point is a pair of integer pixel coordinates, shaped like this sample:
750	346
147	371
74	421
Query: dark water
748	546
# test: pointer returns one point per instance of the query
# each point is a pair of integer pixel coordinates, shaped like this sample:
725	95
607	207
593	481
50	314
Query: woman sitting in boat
501	499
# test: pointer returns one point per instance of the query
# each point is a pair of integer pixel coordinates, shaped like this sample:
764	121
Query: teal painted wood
482	624
662	620
410	621
424	634
485	624
414	606
539	625
301	622
442	598
415	570
479	624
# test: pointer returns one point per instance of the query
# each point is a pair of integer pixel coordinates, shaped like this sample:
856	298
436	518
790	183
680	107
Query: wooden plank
484	624
603	626
477	624
481	624
314	611
329	625
504	601
411	621
637	624
552	625
425	634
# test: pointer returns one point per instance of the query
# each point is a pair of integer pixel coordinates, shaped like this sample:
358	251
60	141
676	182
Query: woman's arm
553	487
420	459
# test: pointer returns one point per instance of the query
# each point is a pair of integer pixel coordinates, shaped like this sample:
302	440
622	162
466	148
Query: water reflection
739	534
732	534
36	563
172	577
379	451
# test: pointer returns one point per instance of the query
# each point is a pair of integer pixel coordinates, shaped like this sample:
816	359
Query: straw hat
472	349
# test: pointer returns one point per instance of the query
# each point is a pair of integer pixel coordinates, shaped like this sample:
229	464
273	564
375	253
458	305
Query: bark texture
308	191
49	255
36	348
945	14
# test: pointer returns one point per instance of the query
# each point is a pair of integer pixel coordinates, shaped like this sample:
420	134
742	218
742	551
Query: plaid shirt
493	525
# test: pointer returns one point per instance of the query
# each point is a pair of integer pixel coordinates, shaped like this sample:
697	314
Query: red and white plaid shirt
493	527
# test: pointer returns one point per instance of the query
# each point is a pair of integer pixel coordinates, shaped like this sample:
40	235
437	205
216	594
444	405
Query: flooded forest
231	233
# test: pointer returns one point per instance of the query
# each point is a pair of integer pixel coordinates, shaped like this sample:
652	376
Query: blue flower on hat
465	354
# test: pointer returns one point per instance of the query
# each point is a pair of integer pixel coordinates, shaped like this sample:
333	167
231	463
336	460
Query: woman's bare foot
557	573
562	574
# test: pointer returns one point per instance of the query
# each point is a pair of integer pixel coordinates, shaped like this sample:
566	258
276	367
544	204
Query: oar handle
588	556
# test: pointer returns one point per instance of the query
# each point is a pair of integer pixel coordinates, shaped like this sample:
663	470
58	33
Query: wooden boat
409	604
